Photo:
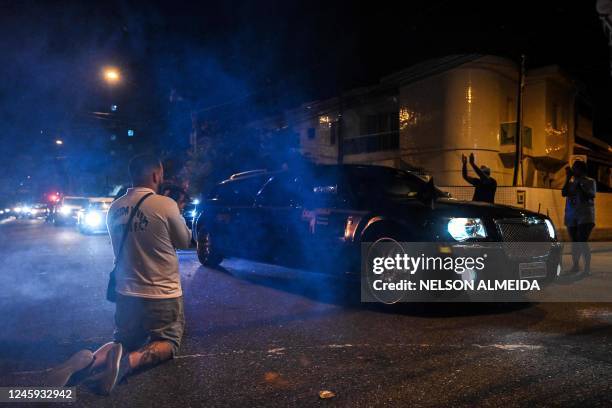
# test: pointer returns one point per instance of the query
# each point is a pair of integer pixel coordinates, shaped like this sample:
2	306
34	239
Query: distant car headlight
17	209
551	228
64	210
465	228
93	219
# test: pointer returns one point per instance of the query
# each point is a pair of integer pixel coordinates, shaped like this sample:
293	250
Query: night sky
288	52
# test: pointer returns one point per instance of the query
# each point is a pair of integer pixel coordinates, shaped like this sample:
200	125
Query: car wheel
207	255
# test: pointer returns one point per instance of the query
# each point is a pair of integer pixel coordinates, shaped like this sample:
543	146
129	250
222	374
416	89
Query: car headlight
551	228
93	219
64	210
17	209
465	228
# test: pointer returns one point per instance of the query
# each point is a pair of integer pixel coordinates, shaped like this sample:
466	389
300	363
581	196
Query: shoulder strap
127	226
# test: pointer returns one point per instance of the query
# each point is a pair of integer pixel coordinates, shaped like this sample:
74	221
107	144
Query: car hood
452	207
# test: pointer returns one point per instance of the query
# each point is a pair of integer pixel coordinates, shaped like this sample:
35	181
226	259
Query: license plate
530	270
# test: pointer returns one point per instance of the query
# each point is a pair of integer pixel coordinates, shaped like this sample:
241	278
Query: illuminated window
507	133
556	116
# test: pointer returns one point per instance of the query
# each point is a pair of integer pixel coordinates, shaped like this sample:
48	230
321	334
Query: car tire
207	255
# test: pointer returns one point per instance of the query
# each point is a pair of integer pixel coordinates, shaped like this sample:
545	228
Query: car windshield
76	202
99	205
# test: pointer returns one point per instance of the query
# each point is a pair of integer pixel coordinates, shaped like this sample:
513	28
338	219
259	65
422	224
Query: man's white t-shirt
148	266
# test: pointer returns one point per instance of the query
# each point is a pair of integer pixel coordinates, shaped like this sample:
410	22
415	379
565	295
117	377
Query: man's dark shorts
139	321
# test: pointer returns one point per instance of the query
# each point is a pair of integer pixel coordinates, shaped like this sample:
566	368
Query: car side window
237	193
372	188
402	185
282	191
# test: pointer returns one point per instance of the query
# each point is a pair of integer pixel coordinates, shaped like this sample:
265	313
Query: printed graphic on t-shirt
139	223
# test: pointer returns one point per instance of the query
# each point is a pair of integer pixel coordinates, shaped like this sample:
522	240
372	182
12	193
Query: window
371	187
379	132
240	192
76	202
380	123
312	133
557	117
507	133
282	191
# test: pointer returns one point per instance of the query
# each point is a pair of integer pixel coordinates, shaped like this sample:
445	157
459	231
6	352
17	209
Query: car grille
518	236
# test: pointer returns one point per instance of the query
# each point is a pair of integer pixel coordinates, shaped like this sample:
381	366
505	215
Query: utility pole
340	133
518	154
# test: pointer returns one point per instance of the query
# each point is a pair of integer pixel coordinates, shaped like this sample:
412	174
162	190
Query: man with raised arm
485	185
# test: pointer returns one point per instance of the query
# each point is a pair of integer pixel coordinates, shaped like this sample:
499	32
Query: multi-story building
425	117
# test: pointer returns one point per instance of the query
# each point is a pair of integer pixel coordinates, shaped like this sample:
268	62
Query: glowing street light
111	75
59	142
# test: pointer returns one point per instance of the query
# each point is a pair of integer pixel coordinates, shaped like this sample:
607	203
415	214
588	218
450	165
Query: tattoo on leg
153	354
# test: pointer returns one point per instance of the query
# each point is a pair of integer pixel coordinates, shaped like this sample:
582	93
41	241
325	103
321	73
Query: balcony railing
375	142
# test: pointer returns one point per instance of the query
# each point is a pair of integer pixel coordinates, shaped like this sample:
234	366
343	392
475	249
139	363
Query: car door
282	233
228	214
330	213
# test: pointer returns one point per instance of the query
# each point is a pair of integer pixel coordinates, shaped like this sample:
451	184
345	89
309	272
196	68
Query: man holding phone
579	192
149	317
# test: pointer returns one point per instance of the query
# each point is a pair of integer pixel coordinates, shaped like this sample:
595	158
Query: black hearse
320	215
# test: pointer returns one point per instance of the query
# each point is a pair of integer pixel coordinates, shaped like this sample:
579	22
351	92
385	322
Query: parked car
36	211
66	212
92	219
323	215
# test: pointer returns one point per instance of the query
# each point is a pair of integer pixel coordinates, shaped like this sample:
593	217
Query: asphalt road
259	335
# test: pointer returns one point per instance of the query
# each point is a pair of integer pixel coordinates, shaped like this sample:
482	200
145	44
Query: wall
549	202
457	112
319	148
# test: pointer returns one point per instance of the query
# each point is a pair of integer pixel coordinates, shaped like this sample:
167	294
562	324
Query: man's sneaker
94	367
109	377
59	376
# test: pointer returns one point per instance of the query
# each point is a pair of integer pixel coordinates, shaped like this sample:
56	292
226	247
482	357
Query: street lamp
59	142
111	75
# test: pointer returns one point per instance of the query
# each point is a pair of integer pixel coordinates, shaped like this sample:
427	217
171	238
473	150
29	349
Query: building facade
425	117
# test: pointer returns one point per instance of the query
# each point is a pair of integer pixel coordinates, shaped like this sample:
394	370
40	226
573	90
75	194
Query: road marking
282	350
279	351
511	347
597	314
